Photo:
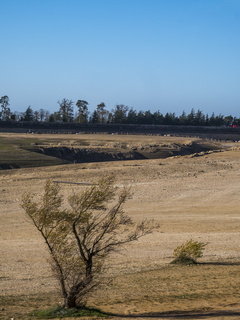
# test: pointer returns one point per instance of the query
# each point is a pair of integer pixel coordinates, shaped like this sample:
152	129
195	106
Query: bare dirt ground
190	196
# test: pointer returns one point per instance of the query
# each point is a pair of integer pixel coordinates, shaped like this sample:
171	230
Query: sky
166	55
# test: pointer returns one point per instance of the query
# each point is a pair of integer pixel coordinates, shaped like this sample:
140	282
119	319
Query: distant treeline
121	114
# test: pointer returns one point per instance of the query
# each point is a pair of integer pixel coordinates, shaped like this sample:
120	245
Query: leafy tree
219	121
102	112
5	114
110	117
95	117
66	110
13	117
170	118
140	117
211	120
183	118
82	116
199	118
43	114
28	114
148	117
18	116
228	120
216	120
191	117
51	118
207	120
80	238
132	116
236	121
120	113
47	115
158	118
36	115
55	117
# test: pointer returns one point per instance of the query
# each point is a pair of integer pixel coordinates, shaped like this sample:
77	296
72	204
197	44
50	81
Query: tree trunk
76	291
70	301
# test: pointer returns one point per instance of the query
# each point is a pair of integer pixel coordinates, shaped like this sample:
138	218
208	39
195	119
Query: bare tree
81	236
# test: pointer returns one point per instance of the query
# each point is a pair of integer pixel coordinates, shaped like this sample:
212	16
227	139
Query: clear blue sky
167	55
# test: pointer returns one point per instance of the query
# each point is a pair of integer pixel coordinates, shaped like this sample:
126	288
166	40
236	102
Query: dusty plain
192	197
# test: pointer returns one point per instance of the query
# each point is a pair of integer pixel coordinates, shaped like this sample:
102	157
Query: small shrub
188	252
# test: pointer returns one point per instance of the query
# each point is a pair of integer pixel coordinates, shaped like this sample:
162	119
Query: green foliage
5	113
189	252
28	114
60	312
102	112
66	110
18	153
82	111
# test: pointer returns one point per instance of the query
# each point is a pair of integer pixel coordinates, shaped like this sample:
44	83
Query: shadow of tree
182	315
220	263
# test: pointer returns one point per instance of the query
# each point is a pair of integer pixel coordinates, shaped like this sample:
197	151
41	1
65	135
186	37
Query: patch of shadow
6	166
220	263
77	155
183	314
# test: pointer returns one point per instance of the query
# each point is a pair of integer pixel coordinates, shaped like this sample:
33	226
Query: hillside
191	196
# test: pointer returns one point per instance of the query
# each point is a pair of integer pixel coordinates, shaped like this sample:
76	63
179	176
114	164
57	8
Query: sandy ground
191	197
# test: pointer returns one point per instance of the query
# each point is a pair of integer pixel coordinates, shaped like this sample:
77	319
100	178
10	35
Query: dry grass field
194	197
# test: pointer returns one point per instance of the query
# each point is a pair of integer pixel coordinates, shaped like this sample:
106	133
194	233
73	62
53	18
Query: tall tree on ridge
28	114
102	112
5	114
66	110
83	112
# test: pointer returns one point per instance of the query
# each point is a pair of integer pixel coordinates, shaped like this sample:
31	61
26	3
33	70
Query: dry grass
194	198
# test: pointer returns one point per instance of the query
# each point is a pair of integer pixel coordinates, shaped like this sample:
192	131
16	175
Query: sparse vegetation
189	252
81	237
141	280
